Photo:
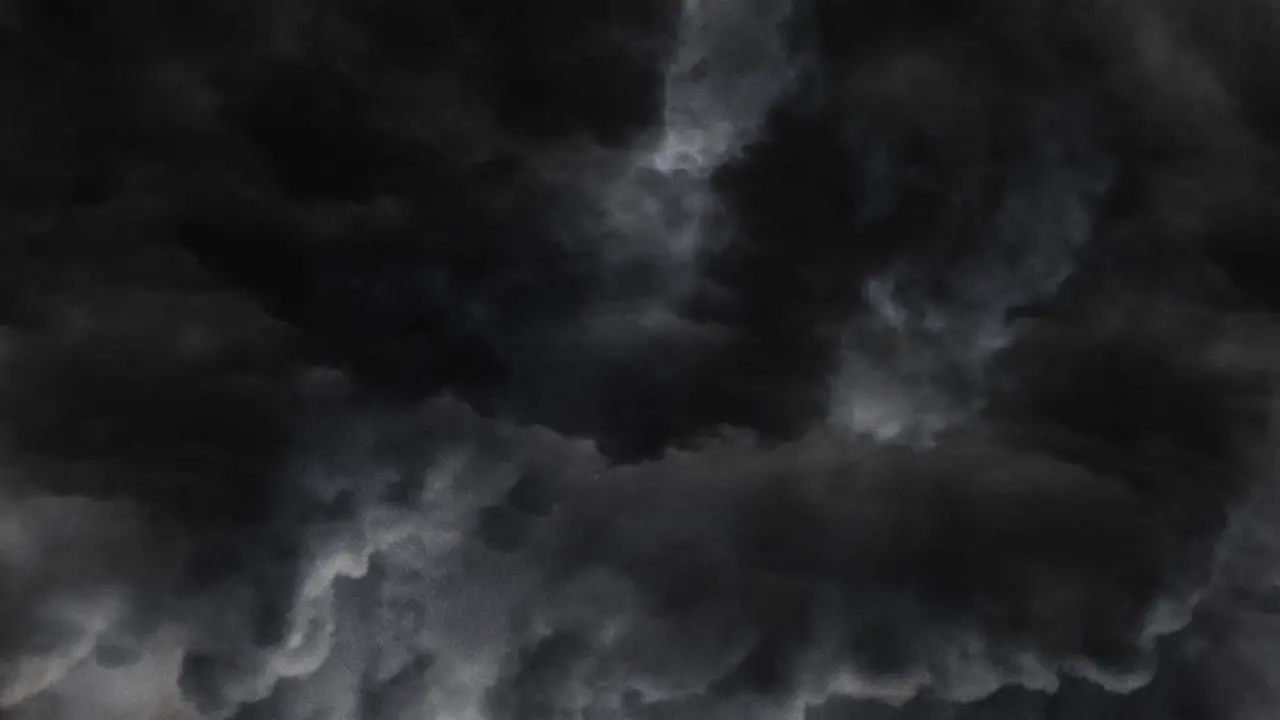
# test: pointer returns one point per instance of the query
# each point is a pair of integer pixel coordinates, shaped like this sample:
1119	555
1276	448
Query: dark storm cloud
368	361
496	561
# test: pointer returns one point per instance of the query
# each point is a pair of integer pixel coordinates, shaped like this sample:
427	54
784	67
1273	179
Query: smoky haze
667	360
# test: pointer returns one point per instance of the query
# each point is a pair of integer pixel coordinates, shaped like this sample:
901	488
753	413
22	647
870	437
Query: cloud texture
596	360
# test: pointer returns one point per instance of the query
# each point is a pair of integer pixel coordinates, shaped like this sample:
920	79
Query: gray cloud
341	380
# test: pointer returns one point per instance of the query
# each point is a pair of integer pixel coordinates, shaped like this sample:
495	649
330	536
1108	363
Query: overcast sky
639	360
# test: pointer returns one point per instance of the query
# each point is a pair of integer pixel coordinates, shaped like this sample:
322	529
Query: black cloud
771	359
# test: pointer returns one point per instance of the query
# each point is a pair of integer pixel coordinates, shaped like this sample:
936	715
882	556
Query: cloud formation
697	359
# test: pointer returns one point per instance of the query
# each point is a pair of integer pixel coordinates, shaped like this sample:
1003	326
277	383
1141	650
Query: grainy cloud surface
619	360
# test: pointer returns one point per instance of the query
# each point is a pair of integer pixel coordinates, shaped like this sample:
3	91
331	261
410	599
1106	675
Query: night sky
639	360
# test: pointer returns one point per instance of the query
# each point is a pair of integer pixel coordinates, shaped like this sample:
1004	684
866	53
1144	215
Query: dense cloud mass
661	360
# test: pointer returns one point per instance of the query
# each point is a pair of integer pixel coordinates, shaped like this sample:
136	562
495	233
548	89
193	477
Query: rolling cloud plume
684	359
